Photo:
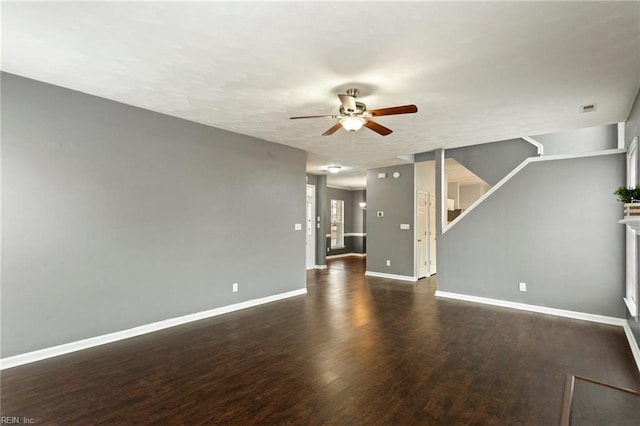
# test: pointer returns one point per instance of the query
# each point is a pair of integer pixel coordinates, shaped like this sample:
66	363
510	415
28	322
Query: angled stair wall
553	225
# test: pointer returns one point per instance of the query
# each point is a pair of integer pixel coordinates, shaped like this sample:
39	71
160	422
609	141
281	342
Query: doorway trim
424	221
310	230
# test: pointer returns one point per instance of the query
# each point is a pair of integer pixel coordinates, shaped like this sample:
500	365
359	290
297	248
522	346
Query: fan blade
332	130
314	116
405	109
348	103
378	128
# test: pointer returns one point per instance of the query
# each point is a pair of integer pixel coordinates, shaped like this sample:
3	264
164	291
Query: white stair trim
521	166
535	143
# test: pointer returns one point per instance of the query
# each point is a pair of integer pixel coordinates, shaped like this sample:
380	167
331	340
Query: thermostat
380	214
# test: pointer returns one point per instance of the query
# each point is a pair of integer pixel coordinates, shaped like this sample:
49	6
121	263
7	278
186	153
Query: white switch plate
382	175
298	227
235	287
388	262
523	286
405	226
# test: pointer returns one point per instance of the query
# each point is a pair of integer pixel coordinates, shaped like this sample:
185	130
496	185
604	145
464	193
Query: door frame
431	201
426	227
310	225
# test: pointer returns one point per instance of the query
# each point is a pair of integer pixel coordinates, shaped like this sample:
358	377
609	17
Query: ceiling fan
353	115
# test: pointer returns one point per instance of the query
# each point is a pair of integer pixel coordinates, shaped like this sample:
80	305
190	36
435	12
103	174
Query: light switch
382	175
298	227
405	226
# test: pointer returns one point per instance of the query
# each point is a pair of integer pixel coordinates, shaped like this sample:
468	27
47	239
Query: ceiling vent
588	108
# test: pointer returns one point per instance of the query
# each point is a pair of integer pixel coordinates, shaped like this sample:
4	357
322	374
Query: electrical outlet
235	287
523	286
388	262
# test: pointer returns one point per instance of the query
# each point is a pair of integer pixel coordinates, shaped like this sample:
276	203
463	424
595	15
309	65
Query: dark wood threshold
568	399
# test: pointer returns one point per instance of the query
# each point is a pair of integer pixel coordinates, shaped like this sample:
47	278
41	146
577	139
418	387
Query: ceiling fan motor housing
354	115
360	108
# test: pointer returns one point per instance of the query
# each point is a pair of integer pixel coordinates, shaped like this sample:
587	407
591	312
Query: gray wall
493	161
633	130
425	156
312	179
589	139
353	218
359	215
553	226
385	239
633	122
114	216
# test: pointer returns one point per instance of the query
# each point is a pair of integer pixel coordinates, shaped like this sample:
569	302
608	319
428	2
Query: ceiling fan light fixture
352	124
334	169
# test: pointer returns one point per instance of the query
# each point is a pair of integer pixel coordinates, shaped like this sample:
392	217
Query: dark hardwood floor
354	351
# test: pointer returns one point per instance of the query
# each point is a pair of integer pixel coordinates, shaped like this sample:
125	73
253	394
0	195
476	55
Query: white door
421	234
431	262
311	229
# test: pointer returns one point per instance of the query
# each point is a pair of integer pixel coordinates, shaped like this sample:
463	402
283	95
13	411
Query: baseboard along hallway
354	350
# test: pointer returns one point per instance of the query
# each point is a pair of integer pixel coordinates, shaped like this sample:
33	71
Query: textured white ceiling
478	72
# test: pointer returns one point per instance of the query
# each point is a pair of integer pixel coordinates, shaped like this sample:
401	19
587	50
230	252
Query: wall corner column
441	203
322	212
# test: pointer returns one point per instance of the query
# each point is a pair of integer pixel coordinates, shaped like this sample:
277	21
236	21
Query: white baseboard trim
391	276
534	308
336	256
321	266
633	344
66	348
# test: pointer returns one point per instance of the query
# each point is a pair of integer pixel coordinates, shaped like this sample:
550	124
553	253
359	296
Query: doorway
421	235
431	235
311	229
425	234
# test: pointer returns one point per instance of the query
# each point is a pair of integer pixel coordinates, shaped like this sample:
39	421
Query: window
337	224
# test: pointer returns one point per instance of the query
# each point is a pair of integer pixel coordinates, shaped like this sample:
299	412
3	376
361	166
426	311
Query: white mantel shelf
632	221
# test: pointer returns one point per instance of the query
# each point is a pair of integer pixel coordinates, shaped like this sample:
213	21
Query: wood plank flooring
354	351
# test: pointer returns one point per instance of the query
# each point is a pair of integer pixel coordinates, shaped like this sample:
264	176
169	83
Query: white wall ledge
632	222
